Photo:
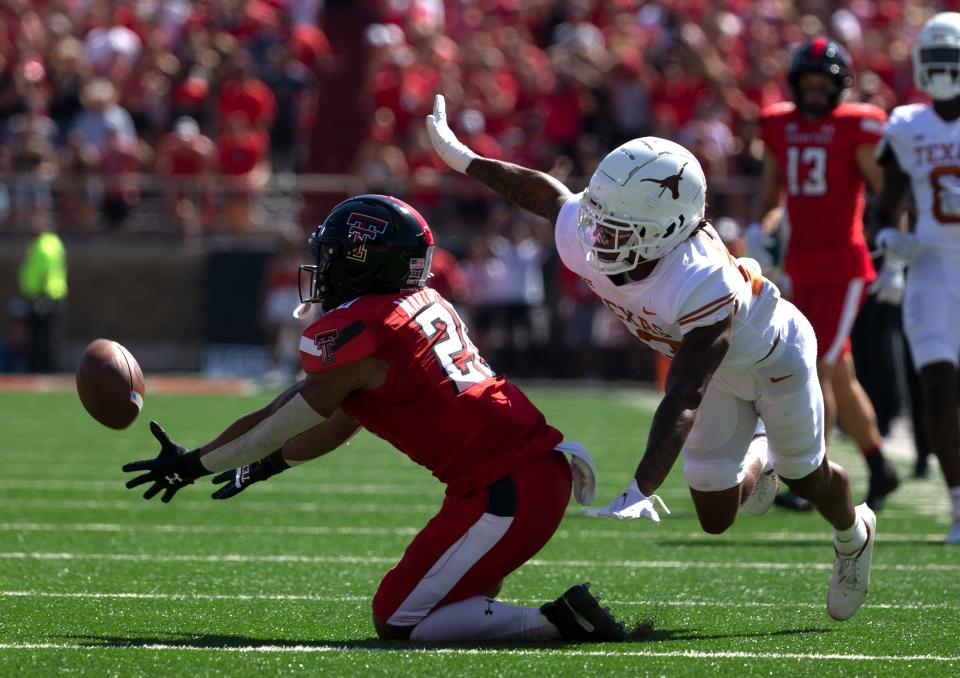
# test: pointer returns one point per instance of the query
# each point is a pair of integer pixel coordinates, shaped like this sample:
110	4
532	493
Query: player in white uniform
921	150
639	239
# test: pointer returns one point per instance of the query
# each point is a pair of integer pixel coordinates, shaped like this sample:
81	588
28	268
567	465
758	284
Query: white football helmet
936	57
644	199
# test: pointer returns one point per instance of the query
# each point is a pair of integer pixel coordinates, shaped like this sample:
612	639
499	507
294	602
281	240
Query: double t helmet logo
362	228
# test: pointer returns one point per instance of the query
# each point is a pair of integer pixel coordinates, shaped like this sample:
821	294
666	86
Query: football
110	383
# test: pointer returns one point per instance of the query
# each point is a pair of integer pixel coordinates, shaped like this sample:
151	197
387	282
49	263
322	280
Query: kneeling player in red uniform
387	355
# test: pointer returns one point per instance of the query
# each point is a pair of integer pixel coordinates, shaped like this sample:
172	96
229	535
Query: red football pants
475	541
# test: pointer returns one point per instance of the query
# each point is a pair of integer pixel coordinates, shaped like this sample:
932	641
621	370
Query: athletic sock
852	538
480	618
955	500
875	459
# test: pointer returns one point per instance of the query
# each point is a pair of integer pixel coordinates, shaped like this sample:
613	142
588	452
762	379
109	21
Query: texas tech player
820	152
394	357
921	151
638	237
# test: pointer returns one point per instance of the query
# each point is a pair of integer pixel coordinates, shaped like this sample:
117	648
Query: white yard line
135	503
41	485
310	530
132	595
514	601
375	560
545	653
814	538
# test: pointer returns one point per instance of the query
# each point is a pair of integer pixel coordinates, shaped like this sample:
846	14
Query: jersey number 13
812	162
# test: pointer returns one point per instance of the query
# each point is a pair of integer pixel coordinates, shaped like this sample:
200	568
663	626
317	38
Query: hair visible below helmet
820	55
645	198
936	57
368	244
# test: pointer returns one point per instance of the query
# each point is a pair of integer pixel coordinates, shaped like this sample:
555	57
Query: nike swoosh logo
647	311
583	621
774	380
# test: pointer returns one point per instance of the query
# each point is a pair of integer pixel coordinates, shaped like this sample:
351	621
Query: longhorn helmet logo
363	227
671	182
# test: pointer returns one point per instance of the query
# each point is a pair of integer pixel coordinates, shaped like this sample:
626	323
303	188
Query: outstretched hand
235	481
631	505
170	470
450	149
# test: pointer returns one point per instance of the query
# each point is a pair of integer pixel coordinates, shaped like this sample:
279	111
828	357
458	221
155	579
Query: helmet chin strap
302	310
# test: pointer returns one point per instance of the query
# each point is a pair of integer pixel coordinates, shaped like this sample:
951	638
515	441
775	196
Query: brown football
110	383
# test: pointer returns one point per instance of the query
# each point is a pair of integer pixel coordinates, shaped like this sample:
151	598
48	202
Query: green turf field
95	580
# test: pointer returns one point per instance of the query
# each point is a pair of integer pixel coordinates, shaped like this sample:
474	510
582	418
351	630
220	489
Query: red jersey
824	187
441	404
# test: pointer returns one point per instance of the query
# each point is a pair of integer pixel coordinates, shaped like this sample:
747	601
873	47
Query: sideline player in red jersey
821	152
394	357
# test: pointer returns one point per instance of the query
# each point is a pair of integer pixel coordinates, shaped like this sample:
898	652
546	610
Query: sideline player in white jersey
638	237
920	149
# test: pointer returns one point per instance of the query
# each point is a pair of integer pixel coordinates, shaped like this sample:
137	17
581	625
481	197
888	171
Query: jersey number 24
812	161
454	351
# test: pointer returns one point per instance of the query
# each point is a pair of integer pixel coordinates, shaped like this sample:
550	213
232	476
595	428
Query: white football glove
630	505
890	283
445	142
759	245
897	245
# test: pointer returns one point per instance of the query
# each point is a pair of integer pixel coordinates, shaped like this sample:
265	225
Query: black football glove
170	470
237	480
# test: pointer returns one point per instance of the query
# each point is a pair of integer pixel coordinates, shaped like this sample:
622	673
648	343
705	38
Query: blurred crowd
203	102
101	100
556	84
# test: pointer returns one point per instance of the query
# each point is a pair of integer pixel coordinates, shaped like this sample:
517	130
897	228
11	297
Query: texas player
820	153
921	151
393	356
638	235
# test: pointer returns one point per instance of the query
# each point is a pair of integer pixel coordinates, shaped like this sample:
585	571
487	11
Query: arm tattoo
534	191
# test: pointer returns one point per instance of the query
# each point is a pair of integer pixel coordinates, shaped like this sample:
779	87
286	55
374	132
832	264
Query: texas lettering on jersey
646	331
698	283
928	150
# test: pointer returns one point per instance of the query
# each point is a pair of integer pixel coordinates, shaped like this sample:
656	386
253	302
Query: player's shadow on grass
668	635
219	641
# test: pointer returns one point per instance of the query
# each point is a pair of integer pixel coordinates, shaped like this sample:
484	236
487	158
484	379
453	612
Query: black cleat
579	617
789	500
882	483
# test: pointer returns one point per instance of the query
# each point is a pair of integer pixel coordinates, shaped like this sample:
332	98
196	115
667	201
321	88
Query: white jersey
928	149
696	284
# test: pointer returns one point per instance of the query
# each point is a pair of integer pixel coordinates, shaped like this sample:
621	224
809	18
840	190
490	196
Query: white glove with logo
630	505
890	283
445	142
897	245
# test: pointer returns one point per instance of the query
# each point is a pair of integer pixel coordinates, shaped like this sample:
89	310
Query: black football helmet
368	244
820	55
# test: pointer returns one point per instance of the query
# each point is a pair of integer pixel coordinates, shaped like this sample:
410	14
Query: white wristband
293	418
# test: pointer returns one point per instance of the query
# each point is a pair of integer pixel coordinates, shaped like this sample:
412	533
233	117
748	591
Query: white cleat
953	536
764	492
851	573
